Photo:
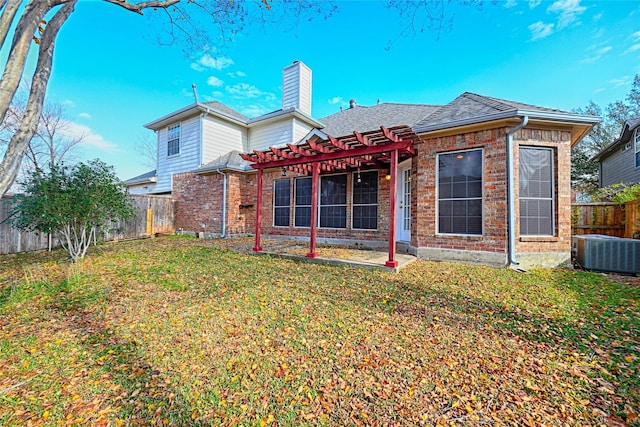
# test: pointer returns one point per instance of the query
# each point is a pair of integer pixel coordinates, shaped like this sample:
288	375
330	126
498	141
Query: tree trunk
20	140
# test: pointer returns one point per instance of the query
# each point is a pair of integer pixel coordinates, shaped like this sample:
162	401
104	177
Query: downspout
511	196
224	203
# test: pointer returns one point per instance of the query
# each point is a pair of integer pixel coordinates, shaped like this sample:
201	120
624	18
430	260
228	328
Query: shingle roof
145	177
625	135
230	160
227	111
470	105
361	118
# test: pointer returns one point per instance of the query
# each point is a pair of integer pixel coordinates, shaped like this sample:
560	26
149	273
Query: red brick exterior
199	201
200	197
495	237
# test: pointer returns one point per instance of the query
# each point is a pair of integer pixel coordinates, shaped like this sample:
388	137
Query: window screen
302	211
173	140
333	201
536	191
365	200
460	192
281	202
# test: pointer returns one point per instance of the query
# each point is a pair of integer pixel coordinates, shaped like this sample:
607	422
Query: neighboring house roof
231	160
361	118
625	136
145	178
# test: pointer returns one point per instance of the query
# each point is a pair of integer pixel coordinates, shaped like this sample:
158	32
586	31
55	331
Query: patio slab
329	254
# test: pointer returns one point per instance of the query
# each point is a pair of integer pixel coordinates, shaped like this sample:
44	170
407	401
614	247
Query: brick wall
381	234
199	201
494	238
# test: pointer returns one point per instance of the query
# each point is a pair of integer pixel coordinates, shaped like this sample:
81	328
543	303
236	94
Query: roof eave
152	180
275	115
210	169
187	111
561	117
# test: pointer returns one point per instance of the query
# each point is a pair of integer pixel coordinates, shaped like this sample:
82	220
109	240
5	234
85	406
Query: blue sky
562	54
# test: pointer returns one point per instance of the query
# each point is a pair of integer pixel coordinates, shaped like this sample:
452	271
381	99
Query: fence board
598	218
162	209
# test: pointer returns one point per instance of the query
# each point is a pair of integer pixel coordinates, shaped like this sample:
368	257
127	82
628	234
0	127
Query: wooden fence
605	218
152	215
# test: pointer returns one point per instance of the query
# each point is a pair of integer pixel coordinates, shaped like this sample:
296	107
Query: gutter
559	117
511	196
224	203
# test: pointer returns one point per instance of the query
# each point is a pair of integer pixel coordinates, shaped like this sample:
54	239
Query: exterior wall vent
607	253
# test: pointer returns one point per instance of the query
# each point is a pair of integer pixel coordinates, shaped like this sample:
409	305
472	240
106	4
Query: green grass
176	331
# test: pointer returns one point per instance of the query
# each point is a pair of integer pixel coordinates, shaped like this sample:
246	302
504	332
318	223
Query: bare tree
147	147
188	22
53	139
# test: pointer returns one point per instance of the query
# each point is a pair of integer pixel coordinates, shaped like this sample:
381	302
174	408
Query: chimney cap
352	103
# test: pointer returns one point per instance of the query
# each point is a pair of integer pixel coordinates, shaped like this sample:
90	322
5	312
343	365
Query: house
480	179
620	161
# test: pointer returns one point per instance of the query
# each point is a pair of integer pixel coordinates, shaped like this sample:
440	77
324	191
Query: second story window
173	140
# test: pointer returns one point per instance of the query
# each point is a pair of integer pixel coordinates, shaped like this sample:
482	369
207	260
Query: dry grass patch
178	331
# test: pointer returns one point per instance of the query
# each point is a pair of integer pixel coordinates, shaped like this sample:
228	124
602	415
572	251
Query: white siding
300	130
188	159
273	134
220	137
296	87
142	188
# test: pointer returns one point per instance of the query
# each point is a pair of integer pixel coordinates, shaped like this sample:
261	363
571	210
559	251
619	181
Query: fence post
631	219
149	222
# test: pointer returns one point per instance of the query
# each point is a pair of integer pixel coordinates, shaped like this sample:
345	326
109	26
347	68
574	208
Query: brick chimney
296	87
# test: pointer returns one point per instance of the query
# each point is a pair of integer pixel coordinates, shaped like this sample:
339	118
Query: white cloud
214	81
540	30
635	36
335	100
90	138
208	61
85	116
235	74
244	90
569	11
534	3
624	80
510	3
600	89
633	48
597	54
254	110
68	103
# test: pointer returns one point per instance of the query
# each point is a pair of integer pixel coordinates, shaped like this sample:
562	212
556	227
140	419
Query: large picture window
281	202
460	192
536	191
173	140
302	211
365	200
333	201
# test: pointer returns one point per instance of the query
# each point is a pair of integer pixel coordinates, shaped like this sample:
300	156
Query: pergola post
257	247
315	166
393	170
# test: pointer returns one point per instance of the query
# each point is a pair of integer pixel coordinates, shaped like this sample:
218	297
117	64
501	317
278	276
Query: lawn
179	331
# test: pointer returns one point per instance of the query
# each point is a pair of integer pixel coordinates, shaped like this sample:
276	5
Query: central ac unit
608	253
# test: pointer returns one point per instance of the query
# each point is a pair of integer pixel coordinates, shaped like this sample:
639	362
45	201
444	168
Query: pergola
384	147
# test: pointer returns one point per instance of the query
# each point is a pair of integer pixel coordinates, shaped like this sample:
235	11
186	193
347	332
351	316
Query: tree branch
139	7
8	15
20	140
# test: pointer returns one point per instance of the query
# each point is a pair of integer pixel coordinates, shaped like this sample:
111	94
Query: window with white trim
460	197
333	201
636	143
173	140
536	191
281	202
302	199
365	200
